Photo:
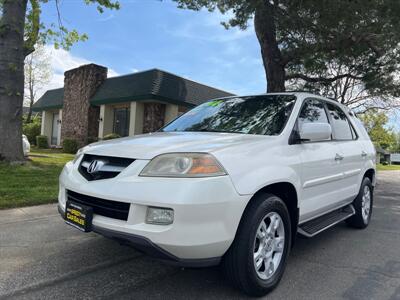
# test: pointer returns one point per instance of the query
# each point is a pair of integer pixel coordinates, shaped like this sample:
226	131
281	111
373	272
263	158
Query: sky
146	34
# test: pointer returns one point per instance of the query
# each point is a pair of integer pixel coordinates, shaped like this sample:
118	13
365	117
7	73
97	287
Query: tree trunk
12	79
31	101
264	23
31	95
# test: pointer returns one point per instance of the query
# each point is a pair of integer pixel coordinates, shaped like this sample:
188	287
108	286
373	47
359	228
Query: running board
317	225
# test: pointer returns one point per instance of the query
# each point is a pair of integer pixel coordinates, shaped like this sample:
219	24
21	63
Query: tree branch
320	79
29	44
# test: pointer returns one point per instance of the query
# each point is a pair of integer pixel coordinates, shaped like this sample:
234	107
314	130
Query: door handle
363	154
338	157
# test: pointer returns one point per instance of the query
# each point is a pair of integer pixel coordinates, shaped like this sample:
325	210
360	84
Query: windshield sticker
214	103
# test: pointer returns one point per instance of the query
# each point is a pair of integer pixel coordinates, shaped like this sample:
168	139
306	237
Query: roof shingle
151	84
51	99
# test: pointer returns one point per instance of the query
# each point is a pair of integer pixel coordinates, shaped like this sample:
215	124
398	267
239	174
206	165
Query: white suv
231	181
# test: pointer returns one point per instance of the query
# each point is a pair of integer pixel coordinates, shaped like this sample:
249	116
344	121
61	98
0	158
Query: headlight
183	165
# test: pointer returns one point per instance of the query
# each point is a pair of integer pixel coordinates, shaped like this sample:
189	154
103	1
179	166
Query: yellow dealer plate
79	216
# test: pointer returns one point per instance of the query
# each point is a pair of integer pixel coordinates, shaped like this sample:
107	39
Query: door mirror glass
315	132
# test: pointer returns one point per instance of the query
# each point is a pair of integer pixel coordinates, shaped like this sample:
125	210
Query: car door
320	170
352	152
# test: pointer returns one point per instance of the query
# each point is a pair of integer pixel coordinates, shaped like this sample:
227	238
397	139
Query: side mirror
315	132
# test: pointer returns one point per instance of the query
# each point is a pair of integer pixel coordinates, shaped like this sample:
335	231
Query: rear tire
256	260
362	205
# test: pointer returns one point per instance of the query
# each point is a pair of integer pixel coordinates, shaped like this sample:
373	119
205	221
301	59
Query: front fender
250	182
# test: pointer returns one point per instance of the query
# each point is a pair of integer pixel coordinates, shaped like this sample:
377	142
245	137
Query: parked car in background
232	181
26	146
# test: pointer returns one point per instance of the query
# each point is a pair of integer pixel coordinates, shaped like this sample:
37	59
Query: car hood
147	146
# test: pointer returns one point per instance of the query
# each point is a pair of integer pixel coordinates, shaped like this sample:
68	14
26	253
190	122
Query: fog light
159	215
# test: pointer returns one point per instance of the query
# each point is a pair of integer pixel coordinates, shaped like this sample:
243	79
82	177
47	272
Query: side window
313	112
340	124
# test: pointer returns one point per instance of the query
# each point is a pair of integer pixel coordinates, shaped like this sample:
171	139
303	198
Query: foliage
33	183
55	32
21	28
42	142
396	146
322	44
111	136
375	123
32	130
70	146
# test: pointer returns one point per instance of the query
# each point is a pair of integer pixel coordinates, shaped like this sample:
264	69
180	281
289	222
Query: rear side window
342	129
313	111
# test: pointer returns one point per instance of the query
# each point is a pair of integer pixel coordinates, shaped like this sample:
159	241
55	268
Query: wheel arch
371	174
288	193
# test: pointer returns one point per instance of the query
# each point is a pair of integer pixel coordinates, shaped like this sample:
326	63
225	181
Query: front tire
362	205
256	260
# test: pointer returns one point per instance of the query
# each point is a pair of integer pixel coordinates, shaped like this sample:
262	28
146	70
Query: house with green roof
91	106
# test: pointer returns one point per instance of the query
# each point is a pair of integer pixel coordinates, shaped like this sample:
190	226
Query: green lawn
35	182
387	167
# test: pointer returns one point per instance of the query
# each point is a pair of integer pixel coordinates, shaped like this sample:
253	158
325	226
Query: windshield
265	115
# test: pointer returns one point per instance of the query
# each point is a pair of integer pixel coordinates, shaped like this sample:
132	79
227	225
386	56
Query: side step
317	225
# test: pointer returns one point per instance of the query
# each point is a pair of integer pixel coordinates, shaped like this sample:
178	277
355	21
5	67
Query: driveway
41	257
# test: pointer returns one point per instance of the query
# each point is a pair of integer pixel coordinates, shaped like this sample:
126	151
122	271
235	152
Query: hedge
41	141
31	130
70	146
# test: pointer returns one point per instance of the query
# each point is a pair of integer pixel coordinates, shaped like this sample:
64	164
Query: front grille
107	208
108	166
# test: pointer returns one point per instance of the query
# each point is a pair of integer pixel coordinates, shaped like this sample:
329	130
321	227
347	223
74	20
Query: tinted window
313	112
253	115
340	125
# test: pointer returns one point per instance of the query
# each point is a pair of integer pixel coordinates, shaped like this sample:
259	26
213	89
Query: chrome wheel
366	203
269	243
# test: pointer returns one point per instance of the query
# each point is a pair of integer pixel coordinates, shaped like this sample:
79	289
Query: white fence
395	158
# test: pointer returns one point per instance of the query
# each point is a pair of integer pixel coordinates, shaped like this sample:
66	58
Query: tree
38	72
321	43
349	91
375	123
20	30
396	146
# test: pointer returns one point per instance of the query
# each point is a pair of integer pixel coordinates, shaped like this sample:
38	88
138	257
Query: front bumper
207	212
146	246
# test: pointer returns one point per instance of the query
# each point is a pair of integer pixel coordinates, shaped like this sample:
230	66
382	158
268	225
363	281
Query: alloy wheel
269	243
366	203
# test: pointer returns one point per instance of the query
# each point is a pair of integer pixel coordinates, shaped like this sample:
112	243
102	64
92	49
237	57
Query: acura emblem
95	166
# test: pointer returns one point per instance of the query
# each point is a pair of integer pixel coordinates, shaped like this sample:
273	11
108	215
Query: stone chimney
79	118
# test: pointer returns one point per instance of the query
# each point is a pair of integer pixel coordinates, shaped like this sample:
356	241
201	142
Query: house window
121	121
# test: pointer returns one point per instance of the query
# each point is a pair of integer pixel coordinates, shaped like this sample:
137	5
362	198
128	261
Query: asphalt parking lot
43	258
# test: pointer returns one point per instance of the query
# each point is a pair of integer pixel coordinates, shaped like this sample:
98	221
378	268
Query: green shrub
31	130
41	141
70	146
111	136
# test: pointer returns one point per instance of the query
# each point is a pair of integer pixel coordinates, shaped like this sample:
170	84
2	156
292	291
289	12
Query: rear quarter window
342	129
